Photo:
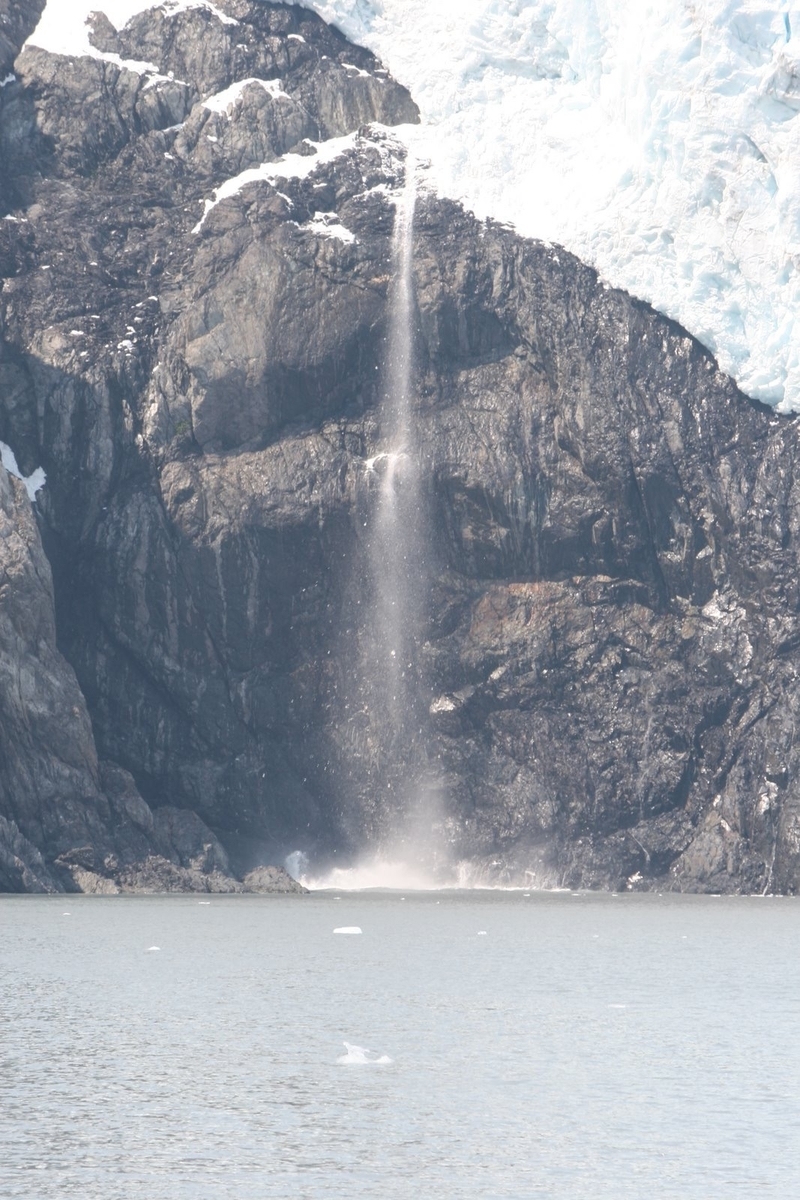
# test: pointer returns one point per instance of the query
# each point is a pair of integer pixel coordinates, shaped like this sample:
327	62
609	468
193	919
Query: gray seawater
581	1047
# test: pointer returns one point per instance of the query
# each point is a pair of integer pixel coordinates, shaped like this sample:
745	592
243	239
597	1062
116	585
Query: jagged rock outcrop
18	19
608	670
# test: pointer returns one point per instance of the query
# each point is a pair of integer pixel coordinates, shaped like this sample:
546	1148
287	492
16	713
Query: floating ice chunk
360	1056
225	101
481	933
348	929
33	482
150	949
203	901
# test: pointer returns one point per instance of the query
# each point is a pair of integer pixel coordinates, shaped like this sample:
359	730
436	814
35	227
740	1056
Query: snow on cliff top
657	139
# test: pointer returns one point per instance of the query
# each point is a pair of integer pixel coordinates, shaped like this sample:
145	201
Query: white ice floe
225	101
33	482
348	929
360	1056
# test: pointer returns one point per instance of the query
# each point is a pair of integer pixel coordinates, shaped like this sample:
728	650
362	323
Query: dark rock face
607	674
18	19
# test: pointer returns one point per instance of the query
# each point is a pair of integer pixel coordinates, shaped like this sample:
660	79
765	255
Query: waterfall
391	813
400	577
397	541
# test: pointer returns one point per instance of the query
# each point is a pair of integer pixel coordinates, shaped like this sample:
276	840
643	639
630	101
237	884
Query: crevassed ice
657	139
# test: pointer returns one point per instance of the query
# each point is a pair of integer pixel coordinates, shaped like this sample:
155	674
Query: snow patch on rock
33	482
291	166
62	28
223	102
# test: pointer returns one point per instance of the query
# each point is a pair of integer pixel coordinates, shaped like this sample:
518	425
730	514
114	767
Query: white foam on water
377	873
203	901
359	1056
348	929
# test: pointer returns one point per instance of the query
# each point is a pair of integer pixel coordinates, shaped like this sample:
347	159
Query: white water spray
401	805
397	538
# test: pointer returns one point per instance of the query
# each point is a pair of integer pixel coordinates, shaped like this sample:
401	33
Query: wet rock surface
607	675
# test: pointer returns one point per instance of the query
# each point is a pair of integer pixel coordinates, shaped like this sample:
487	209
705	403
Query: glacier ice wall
657	139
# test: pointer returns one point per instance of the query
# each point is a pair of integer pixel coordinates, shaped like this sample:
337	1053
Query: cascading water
391	812
397	539
398	542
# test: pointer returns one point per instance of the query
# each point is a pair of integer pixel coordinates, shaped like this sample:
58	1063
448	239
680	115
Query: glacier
656	139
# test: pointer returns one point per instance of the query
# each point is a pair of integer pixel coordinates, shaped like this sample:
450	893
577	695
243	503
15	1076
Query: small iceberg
348	929
150	949
360	1056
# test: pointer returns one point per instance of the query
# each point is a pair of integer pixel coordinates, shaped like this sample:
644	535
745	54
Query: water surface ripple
586	1047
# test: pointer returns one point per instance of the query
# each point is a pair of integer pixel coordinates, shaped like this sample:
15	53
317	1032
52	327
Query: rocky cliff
196	263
